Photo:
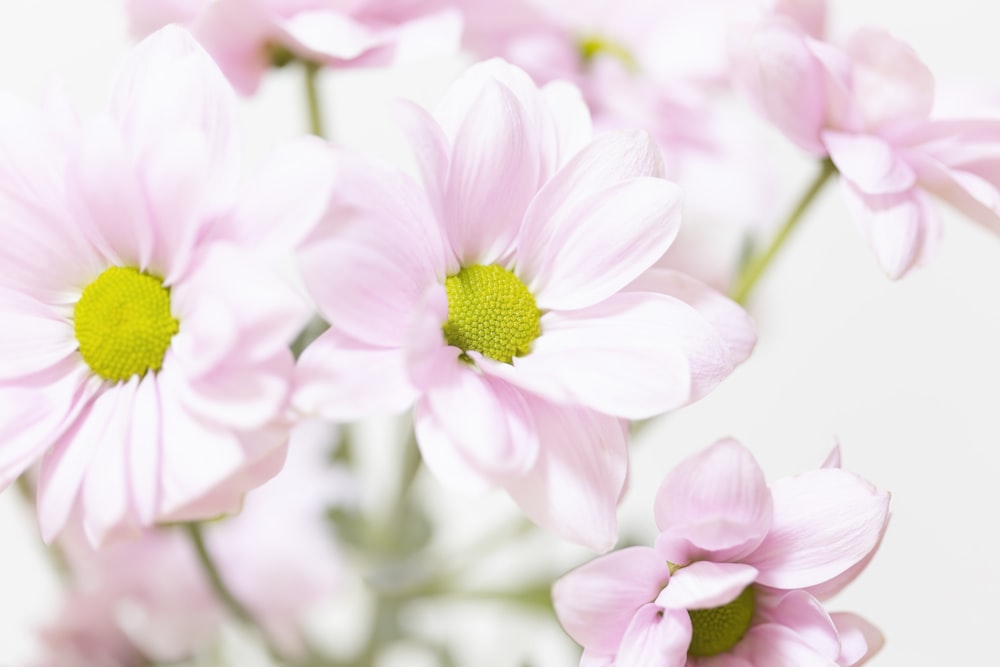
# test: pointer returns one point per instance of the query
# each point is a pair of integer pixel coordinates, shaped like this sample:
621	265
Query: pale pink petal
575	484
720	498
871	163
494	174
601	244
775	68
196	454
890	84
168	83
828	589
728	319
331	34
772	645
901	228
596	602
65	464
656	638
590	659
484	418
447	462
705	585
235	32
106	195
806	617
33	338
833	458
608	160
144	453
105	493
642	352
430	148
342	379
825	521
573	128
145	16
859	639
970	194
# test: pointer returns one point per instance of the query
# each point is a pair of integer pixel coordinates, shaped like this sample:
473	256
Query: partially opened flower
247	36
144	352
738	573
509	299
867	106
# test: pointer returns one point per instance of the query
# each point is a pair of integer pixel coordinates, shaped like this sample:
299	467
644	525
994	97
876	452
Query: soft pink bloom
242	35
738	572
560	227
163	395
150	597
867	106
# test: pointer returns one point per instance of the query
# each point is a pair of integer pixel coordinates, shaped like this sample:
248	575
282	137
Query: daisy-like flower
510	300
738	573
144	353
868	107
248	36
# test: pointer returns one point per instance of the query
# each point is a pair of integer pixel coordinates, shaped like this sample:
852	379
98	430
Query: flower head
246	37
737	574
510	299
144	351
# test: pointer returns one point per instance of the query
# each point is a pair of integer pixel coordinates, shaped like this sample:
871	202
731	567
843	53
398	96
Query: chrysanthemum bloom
509	299
150	597
738	572
868	107
248	36
144	347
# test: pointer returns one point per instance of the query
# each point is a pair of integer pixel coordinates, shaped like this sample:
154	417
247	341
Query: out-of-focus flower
247	36
144	351
508	298
149	598
868	107
737	574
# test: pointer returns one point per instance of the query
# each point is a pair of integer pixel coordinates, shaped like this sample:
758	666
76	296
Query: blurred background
905	375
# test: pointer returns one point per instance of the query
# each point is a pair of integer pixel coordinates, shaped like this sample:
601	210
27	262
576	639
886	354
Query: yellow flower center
123	323
715	631
492	312
592	46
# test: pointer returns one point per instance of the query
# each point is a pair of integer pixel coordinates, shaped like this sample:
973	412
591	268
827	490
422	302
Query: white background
906	375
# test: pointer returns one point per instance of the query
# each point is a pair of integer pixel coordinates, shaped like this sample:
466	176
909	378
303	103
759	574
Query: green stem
312	98
755	267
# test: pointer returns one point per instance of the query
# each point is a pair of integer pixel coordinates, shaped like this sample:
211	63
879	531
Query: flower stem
312	71
755	267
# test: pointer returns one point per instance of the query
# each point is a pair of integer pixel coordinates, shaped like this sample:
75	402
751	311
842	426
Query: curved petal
805	616
869	162
970	194
494	175
773	644
144	453
902	228
447	462
594	249
430	148
721	488
656	638
859	639
596	602
704	585
825	521
33	337
575	484
168	83
342	379
632	356
484	418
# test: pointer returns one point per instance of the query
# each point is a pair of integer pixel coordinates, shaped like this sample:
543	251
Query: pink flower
144	353
276	557
246	36
868	108
509	299
737	574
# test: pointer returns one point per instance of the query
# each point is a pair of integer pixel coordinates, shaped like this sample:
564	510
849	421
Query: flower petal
574	487
722	494
144	454
806	617
656	638
704	585
772	644
825	521
596	602
33	337
859	639
869	162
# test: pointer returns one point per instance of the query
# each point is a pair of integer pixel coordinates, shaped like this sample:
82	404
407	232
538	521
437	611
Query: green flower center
492	312
592	46
715	631
123	323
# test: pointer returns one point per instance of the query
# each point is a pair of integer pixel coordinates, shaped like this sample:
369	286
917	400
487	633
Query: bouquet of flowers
330	408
